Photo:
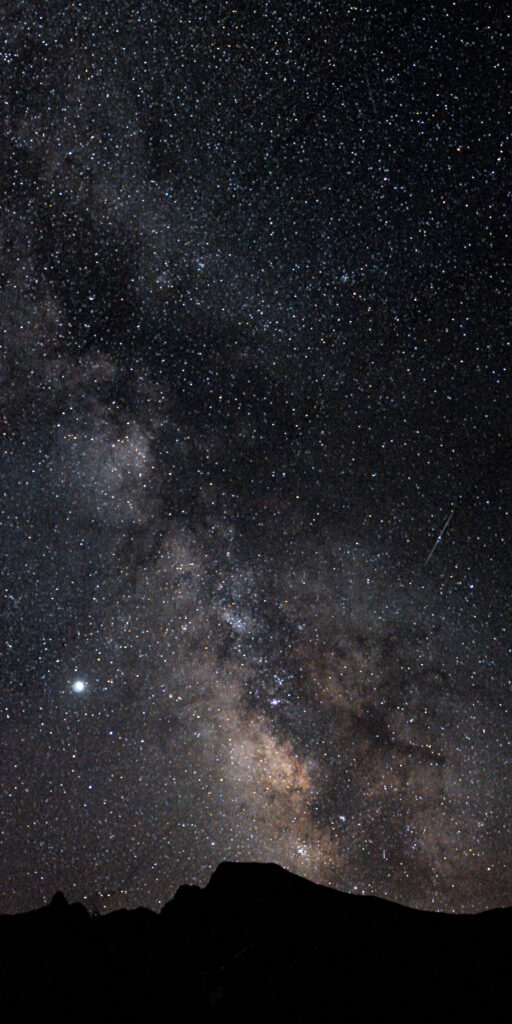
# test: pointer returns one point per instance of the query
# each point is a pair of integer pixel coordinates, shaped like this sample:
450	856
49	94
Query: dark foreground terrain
257	944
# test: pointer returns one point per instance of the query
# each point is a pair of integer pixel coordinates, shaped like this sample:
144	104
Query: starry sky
255	315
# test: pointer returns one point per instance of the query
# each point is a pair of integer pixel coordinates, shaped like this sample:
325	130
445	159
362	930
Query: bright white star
78	686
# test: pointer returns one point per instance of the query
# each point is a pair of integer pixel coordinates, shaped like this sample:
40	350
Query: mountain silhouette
256	944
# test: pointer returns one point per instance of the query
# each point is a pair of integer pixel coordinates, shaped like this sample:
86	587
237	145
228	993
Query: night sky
255	313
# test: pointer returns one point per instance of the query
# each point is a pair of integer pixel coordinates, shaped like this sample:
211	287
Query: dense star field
255	312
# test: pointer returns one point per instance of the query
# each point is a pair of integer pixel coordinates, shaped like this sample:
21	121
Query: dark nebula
255	313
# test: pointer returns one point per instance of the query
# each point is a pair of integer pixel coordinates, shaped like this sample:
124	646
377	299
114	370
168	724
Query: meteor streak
440	537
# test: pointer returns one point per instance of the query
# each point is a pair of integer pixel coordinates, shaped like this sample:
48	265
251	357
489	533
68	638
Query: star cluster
255	312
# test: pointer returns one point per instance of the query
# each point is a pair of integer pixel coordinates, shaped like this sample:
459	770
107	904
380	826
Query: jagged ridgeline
257	943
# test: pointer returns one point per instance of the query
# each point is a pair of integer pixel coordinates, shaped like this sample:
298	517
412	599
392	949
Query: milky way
255	309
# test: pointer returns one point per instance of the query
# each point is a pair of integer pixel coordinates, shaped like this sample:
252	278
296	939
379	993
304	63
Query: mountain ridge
255	937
